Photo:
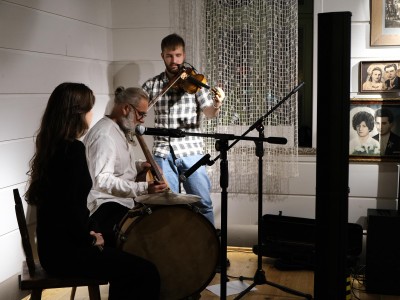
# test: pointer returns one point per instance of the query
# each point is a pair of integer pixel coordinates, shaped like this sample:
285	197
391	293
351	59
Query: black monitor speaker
382	274
292	241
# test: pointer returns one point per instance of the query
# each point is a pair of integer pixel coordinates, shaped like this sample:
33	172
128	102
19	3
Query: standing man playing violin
112	164
178	109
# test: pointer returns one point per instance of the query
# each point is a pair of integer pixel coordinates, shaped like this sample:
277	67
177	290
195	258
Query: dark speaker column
333	105
383	250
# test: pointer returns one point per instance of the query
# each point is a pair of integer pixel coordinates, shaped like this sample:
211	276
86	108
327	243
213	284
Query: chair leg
94	292
36	294
73	292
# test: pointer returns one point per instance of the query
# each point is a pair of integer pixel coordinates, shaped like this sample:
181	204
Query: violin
190	81
187	80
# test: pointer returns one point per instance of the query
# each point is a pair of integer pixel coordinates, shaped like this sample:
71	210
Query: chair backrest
23	229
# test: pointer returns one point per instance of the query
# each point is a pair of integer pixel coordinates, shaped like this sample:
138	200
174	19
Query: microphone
204	160
276	140
140	130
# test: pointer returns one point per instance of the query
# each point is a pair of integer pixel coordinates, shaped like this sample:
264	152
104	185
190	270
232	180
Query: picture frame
369	118
383	31
379	77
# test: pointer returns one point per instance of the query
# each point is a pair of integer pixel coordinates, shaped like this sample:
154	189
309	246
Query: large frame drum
181	242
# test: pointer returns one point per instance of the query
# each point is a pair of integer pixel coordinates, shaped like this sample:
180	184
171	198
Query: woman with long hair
59	183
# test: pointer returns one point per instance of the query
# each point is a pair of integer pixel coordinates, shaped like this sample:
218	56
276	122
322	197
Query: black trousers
107	218
129	276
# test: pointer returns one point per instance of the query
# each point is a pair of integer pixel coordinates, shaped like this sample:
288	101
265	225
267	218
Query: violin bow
170	84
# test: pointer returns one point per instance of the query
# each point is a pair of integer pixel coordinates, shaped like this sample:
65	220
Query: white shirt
112	166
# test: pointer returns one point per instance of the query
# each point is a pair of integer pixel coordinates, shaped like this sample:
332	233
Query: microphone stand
255	125
222	145
259	277
261	120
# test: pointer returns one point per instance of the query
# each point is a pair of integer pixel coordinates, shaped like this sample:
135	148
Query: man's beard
174	71
127	123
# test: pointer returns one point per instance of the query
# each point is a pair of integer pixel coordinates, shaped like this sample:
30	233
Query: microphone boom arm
260	120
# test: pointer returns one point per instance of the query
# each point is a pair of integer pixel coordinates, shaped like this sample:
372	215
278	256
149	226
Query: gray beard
126	123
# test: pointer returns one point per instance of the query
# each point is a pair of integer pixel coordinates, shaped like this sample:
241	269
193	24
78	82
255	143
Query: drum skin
182	243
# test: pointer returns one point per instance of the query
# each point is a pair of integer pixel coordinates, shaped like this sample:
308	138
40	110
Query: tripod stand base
259	279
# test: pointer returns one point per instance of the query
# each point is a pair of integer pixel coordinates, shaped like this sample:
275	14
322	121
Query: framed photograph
374	130
385	25
379	76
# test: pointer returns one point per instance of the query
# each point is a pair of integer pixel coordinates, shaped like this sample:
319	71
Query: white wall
42	43
106	43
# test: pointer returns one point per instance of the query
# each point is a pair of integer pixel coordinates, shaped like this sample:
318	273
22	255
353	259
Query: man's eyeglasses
141	114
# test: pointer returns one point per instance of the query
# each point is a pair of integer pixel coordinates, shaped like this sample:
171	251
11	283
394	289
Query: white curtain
249	49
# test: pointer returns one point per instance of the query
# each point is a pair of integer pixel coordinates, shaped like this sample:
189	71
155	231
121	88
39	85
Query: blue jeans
196	184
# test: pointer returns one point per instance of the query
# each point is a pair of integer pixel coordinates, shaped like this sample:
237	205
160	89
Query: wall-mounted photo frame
374	130
379	76
385	28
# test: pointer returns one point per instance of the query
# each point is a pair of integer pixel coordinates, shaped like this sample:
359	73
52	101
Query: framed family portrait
385	27
379	76
374	130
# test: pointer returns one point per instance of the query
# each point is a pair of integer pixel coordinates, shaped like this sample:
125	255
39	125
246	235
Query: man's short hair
172	41
391	65
130	95
384	112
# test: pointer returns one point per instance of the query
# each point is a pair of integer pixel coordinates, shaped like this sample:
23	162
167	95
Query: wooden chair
34	277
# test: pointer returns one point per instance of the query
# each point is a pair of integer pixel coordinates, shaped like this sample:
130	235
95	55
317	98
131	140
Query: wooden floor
244	263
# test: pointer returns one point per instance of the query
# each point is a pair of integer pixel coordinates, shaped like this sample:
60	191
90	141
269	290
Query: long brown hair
63	120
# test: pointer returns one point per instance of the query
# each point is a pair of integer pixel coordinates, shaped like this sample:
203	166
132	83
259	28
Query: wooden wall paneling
11	254
91	11
14	158
27	72
138	43
20	115
135	73
8	221
89	41
38	32
128	14
48	33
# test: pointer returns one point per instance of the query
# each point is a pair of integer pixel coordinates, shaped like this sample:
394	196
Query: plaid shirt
177	109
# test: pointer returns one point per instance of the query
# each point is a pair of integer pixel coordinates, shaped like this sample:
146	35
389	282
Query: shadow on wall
133	74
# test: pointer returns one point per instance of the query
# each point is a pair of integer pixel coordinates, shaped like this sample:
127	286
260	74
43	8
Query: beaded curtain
249	49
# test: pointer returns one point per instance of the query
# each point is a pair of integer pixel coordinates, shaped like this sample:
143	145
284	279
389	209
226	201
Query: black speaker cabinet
383	252
292	240
332	171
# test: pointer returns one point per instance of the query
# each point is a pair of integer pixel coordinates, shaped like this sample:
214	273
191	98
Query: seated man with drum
112	163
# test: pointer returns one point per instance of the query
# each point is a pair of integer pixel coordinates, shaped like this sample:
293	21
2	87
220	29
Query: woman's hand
99	239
